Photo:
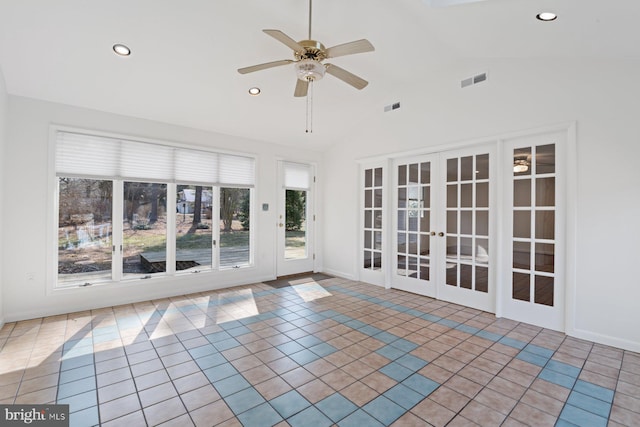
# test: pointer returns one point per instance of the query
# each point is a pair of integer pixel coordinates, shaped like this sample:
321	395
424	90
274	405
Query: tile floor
318	353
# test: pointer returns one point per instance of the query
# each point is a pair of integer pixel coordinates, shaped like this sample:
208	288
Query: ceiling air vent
391	107
479	78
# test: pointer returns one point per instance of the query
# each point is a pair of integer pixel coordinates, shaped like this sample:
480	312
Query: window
166	197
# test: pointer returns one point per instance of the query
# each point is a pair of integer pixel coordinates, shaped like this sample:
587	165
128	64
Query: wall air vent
391	107
478	78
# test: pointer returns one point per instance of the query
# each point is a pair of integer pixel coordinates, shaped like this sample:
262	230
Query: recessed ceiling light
546	16
121	49
254	91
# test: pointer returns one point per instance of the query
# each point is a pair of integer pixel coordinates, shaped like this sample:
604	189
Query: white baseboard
340	274
605	340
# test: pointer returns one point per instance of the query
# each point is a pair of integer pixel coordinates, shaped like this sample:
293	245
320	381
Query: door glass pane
413	173
522	161
402	198
522	224
482	223
367	219
521	287
377	260
466	195
545	223
194	227
482	279
466	276
482	166
452	170
368	239
424	221
544	290
413	244
466	168
368	178
424	244
377	218
452	247
452	274
368	198
452	222
522	192
402	265
466	248
452	196
482	195
424	269
522	255
234	226
546	191
466	222
378	177
412	267
402	175
482	251
545	257
546	159
425	173
367	259
377	240
144	228
402	220
377	198
402	243
84	230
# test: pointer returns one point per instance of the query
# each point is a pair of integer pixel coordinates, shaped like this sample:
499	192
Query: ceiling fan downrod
310	6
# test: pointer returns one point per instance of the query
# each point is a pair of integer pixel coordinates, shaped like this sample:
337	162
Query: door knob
281	225
433	233
441	234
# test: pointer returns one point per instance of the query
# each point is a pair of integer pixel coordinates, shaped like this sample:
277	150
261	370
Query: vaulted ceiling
185	54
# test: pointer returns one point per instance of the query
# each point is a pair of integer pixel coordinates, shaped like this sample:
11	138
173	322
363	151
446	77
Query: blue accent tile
557	378
594	390
401	308
414	313
341	318
355	324
202	351
431	318
231	385
80	401
77	352
421	384
230	325
304	356
290	317
236	332
76	387
220	372
412	362
84	342
336	407
390	352
591	404
77	374
217	336
289	403
581	417
323	349
511	342
76	362
310	417
226	344
489	336
360	419
369	330
210	361
532	358
403	396
290	347
85	417
405	345
249	320
540	351
563	368
563	423
396	371
385	337
260	416
468	329
315	318
384	410
449	323
309	341
244	400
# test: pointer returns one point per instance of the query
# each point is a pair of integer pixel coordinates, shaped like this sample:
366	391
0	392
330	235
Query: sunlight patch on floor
311	291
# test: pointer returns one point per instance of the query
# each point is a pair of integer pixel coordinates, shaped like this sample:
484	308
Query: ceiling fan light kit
308	56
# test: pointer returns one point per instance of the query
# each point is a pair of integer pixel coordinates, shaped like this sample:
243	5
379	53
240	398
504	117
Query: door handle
441	234
281	225
433	233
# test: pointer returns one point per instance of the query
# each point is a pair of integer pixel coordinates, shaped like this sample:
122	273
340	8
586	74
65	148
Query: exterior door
295	219
534	245
443	227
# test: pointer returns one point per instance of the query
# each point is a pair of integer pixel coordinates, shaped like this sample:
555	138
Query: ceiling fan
308	60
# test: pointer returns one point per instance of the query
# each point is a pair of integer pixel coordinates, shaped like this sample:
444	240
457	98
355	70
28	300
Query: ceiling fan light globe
309	69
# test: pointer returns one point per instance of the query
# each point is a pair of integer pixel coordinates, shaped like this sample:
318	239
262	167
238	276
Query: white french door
295	219
533	277
444	226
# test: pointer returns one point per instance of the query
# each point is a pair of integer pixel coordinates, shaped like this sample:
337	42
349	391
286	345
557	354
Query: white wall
519	95
26	227
3	128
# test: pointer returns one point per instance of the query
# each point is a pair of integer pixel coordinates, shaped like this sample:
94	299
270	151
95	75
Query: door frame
288	267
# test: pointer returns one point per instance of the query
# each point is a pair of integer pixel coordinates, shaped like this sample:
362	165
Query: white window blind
79	155
297	176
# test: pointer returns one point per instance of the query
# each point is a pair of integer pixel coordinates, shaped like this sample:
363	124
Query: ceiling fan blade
346	76
302	86
264	66
285	39
358	46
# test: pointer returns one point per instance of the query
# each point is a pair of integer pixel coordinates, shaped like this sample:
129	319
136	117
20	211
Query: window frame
117	278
